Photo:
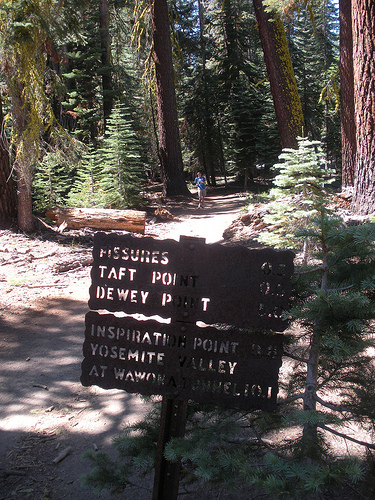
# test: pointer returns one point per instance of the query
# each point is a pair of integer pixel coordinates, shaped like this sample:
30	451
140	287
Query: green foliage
54	178
313	43
122	160
136	447
82	75
300	192
205	451
224	448
229	122
292	479
108	177
86	191
104	473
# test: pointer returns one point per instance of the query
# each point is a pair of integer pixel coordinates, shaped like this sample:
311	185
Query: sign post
186	282
172	424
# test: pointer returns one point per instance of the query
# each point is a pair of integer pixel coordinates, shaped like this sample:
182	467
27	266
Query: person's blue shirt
200	182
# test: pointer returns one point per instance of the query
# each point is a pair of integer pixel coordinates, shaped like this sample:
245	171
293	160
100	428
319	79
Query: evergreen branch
293	356
291	399
344	436
329	378
333	407
311	271
342	409
267	444
343	289
351	487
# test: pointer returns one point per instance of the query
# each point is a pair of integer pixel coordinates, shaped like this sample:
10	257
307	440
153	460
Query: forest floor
47	418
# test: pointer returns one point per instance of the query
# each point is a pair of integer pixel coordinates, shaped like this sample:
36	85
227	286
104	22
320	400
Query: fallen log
99	218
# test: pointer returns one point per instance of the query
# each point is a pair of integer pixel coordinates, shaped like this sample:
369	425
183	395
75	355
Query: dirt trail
208	222
44	409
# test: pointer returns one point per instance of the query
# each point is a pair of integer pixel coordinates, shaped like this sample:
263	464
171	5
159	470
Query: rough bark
102	219
25	156
347	94
25	206
169	139
280	72
363	24
7	186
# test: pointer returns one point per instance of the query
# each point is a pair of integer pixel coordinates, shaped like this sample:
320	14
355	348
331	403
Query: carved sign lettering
191	281
226	367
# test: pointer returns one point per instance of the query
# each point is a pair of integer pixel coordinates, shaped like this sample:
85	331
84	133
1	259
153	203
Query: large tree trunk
347	94
106	58
26	155
25	206
280	72
7	187
169	139
363	18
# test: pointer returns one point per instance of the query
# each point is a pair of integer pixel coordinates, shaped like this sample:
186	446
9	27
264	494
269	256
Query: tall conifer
122	159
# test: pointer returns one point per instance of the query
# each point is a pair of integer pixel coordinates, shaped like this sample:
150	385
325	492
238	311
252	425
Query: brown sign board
227	367
191	281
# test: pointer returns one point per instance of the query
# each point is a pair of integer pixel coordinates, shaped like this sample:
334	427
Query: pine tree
53	179
86	191
122	160
83	81
314	50
301	174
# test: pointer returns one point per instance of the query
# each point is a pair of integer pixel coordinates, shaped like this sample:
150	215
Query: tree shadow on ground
45	409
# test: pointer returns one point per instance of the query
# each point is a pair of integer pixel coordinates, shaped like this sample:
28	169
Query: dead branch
345	436
341	409
68	266
44	256
41	386
30	257
62	455
48	285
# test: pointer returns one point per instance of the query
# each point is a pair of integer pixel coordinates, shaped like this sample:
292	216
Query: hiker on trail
200	182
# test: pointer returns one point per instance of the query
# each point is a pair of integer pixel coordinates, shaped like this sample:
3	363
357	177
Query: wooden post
172	424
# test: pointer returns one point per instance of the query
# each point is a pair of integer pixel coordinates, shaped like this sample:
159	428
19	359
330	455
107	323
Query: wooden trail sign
191	281
184	361
185	282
